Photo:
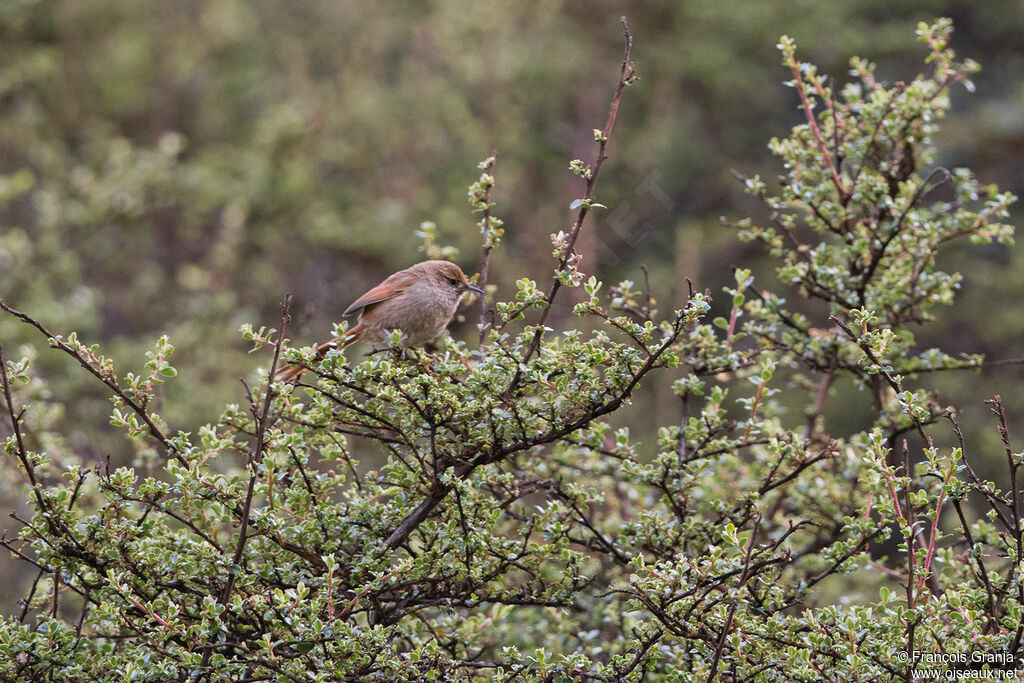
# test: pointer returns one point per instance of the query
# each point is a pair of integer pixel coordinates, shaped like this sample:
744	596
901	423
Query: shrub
509	531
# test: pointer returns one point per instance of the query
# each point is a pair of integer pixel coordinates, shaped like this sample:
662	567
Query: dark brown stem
31	594
819	403
627	75
889	379
55	606
997	409
416	517
720	646
438	491
254	453
258	442
876	258
15	423
899	88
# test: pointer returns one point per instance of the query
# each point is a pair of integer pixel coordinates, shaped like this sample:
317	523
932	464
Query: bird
420	301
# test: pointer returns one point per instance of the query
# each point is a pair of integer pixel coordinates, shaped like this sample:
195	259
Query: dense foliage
510	532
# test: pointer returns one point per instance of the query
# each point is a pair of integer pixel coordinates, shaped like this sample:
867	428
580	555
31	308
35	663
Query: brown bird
420	301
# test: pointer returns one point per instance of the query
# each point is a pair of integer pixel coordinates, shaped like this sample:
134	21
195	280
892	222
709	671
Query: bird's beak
473	288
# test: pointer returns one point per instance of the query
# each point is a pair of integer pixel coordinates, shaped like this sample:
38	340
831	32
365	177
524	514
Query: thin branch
720	646
26	463
844	194
108	380
259	441
31	594
257	450
819	403
919	194
627	75
485	255
898	88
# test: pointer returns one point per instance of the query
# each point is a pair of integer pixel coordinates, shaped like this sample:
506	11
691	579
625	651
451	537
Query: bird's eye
453	282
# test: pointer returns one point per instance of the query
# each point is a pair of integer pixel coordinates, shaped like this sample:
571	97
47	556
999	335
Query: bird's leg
401	352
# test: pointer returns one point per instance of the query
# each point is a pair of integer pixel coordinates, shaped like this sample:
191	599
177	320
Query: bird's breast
419	312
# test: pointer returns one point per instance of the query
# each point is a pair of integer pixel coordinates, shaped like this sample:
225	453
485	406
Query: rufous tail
291	373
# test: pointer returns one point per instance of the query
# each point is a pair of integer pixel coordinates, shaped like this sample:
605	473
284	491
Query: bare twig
627	75
31	594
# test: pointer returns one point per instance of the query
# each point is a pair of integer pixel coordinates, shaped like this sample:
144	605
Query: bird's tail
291	373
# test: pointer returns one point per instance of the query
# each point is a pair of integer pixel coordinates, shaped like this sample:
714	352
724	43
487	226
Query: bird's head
447	274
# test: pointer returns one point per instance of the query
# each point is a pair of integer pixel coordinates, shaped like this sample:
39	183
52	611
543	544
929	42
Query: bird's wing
394	285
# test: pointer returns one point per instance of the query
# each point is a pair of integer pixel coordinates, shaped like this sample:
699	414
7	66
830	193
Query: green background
177	167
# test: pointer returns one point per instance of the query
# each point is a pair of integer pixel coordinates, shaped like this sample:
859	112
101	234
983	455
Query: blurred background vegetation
177	167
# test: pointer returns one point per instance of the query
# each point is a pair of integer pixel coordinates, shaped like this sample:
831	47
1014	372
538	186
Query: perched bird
420	301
